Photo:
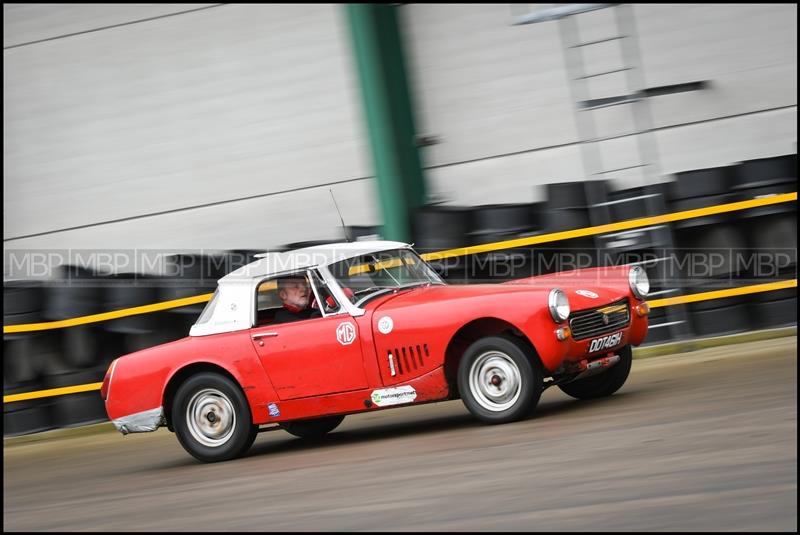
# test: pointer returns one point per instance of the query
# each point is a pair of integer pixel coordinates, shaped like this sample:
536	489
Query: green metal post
388	110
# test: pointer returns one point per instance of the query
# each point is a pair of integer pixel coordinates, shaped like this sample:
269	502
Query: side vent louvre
404	360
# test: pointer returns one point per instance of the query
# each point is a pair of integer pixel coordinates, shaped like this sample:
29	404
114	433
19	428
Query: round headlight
639	283
558	304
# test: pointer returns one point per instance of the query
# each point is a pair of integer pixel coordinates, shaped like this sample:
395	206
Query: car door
311	357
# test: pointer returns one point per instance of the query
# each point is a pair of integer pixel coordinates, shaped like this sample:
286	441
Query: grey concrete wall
498	94
199	125
148	134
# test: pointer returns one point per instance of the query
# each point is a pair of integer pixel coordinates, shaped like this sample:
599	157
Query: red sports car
380	329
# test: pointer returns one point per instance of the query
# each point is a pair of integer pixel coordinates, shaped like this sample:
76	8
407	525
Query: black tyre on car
604	383
212	419
314	428
498	381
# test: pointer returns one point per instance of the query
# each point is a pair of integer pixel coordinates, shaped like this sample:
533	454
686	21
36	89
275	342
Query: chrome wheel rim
210	417
495	381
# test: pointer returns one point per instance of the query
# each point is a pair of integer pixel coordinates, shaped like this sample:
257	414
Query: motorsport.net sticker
394	396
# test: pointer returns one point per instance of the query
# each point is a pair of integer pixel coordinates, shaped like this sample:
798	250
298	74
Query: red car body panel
318	367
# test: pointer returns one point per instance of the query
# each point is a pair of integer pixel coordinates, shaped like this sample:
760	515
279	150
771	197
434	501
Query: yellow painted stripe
653	304
496	246
613	227
719	294
52	392
105	316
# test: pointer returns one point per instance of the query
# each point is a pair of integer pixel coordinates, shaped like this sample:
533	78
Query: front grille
587	323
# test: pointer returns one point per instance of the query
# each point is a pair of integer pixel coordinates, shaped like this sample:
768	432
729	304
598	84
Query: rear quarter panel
140	378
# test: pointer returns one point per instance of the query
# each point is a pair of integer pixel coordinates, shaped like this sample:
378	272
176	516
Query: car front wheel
604	383
212	419
497	381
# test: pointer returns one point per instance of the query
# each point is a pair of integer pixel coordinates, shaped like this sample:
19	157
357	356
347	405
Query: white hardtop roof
274	263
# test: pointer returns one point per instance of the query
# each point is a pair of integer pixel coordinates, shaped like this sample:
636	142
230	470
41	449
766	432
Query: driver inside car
296	295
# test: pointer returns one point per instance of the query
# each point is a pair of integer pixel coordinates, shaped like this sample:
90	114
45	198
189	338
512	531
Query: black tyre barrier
765	172
771	246
681	205
578	194
438	228
710	252
29	358
701	183
21	362
189	275
82	408
635	203
28	416
720	316
80	345
558	219
22	297
75	292
774	309
567	255
500	222
635	239
572	205
128	290
766	191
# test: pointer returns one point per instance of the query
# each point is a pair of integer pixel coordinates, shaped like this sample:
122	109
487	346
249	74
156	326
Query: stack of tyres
439	228
76	292
567	208
499	223
650	247
132	333
24	357
707	248
188	275
771	236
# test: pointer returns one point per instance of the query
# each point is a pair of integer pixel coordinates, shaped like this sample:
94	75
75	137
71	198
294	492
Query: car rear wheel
312	429
605	383
497	381
212	418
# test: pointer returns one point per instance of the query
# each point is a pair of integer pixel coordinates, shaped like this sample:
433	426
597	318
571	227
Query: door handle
263	335
259	337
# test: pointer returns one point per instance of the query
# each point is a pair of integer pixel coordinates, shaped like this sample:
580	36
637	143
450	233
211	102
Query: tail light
104	390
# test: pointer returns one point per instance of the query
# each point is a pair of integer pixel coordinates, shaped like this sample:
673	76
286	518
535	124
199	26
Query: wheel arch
182	375
475	330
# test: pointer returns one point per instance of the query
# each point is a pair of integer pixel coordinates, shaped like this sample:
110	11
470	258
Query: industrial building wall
224	126
180	127
497	95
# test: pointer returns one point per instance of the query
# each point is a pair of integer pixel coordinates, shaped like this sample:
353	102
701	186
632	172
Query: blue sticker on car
273	409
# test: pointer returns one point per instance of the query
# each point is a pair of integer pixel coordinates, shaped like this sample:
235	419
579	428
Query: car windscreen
369	274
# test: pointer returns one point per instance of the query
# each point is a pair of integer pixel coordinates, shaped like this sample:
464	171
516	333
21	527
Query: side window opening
328	303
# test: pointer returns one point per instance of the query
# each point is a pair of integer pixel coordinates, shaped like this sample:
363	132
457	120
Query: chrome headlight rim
558	305
639	282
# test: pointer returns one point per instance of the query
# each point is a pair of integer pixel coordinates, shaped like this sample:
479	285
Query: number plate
605	342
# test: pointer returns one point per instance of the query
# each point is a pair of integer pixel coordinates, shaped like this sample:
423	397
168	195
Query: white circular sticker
587	293
385	325
346	333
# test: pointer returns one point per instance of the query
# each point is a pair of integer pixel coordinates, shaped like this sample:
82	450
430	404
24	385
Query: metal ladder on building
635	97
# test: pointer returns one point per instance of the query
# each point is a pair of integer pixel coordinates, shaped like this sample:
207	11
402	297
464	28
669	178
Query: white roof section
234	304
275	263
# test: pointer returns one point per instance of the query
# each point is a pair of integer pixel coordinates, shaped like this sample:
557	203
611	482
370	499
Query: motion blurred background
151	148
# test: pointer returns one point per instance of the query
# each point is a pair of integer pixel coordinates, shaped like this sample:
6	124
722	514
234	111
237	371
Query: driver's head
294	292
